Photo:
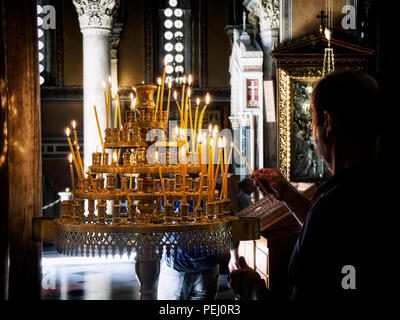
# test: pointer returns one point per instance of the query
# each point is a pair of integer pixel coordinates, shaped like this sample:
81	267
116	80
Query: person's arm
281	189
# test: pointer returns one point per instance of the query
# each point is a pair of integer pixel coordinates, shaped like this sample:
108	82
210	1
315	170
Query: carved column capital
95	14
265	11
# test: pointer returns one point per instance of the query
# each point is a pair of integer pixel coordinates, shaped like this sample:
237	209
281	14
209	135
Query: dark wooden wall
20	167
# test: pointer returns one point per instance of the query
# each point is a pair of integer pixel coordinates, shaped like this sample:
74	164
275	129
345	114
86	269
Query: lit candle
67	131
116	111
162	85
119	111
191	119
131	162
72	177
195	123
184	173
132	102
77	148
183	99
109	97
187	107
214	182
177	104
158	93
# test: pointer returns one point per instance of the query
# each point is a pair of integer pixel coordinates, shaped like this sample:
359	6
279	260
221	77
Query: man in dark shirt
337	251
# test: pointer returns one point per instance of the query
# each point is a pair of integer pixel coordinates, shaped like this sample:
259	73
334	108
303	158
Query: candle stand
150	227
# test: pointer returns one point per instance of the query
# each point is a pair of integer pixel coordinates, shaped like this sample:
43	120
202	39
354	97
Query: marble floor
81	278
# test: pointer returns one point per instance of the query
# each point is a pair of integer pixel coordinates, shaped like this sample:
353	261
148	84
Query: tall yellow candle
158	93
162	85
78	171
109	99
169	97
98	126
78	154
119	112
72	177
184	166
107	104
183	101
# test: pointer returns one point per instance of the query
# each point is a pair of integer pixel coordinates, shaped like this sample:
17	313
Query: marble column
266	13
95	19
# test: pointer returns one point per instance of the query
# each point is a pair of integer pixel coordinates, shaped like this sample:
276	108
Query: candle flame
199	139
159	81
104	85
109	79
184	80
170	84
131	96
210	128
70	158
97	148
198	101
115	156
183	151
190	80
165	61
175	95
223	142
208	99
74	124
156	155
67	132
189	92
177	130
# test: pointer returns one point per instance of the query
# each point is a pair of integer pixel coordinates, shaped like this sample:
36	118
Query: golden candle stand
150	227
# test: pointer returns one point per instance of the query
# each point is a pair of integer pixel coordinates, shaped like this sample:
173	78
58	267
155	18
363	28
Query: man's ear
328	124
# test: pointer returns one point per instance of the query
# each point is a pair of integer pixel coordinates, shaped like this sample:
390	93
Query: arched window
175	43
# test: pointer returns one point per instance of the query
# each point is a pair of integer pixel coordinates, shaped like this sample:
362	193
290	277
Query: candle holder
96	159
110	183
196	184
226	209
184	215
105	158
116	213
168	213
76	207
114	135
211	211
102	212
220	210
121	135
99	184
189	184
132	214
86	185
91	209
82	208
139	185
198	214
141	155
66	210
131	135
108	136
126	158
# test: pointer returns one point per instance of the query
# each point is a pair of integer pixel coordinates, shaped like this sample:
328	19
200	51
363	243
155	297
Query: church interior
92	65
